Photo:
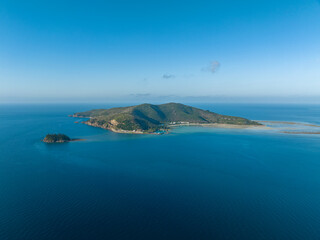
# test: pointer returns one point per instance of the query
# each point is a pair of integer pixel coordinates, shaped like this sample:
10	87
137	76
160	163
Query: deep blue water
194	183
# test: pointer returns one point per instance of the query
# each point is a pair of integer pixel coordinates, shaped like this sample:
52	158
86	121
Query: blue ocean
194	183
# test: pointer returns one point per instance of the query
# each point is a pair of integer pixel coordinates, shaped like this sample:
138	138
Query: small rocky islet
56	138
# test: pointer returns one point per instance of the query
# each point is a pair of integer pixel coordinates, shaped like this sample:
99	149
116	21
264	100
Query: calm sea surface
195	183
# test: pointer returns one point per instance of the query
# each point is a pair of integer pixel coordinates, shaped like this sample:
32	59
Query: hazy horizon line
149	98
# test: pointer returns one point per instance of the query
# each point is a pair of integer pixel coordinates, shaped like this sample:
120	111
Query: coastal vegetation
149	118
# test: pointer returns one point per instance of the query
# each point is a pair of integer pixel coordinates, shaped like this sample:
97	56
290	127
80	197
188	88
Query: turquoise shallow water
194	183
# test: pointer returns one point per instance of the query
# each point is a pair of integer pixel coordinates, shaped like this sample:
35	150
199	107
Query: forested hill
148	117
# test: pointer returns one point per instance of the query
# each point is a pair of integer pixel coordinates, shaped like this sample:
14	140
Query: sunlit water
194	183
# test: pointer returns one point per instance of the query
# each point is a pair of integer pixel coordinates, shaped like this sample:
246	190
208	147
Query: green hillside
150	118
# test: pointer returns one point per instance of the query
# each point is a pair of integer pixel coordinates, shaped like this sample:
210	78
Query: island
56	138
157	119
59	138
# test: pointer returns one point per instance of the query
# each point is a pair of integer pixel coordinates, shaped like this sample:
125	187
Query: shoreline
123	131
215	125
223	125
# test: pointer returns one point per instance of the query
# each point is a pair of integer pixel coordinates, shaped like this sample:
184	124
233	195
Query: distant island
59	138
157	119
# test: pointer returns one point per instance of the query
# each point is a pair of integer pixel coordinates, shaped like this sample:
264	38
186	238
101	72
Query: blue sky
112	50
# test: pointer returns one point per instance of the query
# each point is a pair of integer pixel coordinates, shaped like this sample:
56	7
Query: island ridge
156	119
